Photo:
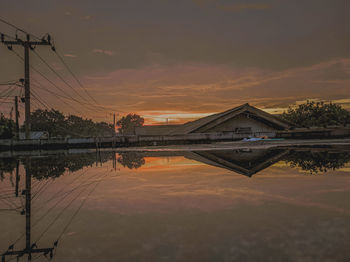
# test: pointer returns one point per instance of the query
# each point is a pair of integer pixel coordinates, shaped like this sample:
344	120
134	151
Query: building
244	120
35	135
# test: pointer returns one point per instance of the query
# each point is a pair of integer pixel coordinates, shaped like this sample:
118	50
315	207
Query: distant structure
35	135
244	119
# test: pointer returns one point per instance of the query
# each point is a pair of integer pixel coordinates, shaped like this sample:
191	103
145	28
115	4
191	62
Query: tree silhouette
128	123
59	125
317	114
7	127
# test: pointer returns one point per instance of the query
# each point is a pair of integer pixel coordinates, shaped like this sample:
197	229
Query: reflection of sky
177	209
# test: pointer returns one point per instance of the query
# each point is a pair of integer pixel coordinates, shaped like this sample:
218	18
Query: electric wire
17	28
59	76
74	76
91	107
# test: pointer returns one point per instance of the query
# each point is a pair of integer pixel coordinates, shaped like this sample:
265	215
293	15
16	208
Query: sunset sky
183	59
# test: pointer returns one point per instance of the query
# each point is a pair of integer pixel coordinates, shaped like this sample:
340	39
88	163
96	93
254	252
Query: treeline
318	114
7	127
58	125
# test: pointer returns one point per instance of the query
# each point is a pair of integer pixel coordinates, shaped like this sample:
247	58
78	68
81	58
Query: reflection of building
245	162
244	119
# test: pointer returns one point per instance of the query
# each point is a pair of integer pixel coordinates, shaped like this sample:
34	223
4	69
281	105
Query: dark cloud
261	51
240	7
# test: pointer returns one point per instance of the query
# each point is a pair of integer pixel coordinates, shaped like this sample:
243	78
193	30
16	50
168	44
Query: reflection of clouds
208	188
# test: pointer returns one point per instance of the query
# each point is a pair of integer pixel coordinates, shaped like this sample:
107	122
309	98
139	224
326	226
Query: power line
56	86
58	75
63	101
17	28
74	76
96	107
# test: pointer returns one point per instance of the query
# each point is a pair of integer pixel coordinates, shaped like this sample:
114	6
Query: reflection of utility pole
114	161
17	177
27	44
29	248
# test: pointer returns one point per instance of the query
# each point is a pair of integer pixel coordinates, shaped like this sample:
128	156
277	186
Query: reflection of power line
80	207
29	247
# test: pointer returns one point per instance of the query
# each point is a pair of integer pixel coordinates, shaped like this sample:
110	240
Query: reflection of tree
131	160
55	166
7	165
315	162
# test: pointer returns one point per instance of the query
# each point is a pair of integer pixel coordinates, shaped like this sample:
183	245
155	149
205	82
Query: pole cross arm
20	253
21	42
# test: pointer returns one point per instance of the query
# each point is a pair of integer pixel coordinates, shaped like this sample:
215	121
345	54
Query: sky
174	61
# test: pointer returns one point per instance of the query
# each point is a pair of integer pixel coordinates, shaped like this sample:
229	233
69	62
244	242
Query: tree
7	127
317	114
128	123
59	125
52	121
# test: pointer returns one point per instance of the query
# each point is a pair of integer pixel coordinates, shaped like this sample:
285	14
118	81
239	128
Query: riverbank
232	145
127	141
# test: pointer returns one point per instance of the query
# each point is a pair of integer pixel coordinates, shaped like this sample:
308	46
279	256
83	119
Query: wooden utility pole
114	124
17	115
27	44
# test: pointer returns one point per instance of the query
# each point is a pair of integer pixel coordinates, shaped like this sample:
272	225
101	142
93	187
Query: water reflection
131	160
242	161
39	169
53	166
318	161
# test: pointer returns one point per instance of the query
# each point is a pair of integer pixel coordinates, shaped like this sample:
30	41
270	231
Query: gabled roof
215	119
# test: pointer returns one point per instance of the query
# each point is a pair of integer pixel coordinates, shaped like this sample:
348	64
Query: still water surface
231	205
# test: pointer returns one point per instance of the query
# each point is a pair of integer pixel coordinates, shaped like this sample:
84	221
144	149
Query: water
230	205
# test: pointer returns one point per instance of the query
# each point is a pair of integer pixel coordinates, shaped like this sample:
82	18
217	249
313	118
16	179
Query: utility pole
17	115
114	124
27	44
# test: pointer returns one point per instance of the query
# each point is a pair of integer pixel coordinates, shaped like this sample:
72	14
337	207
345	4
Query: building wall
242	121
154	130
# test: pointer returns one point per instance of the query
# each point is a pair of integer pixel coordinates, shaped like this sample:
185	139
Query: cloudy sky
183	59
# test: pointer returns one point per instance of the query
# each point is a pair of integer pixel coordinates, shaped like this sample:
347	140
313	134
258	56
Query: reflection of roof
215	119
246	163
